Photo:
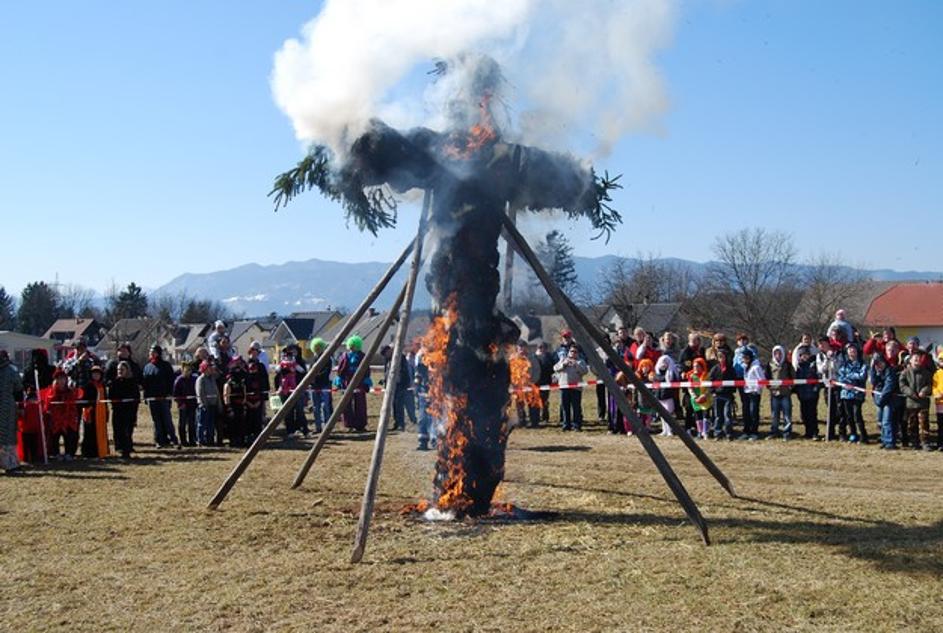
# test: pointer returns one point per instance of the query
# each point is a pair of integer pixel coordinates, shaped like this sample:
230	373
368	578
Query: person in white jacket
752	392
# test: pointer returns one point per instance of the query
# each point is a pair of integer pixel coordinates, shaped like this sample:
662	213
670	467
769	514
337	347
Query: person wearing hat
185	397
321	401
916	385
212	341
355	415
94	416
157	379
257	354
61	414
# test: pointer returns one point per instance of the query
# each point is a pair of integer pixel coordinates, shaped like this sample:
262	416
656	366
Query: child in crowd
287	377
752	393
321	400
808	394
645	370
723	370
256	397
702	398
208	404
916	385
938	396
94	416
780	402
666	371
61	413
185	397
30	428
851	374
234	400
125	398
570	370
884	390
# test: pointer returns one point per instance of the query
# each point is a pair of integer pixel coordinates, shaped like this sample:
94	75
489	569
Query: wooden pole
42	421
599	368
651	400
359	375
376	463
323	360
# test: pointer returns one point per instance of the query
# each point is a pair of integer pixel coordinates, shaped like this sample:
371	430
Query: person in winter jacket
546	361
29	437
321	400
723	396
841	324
185	397
808	394
61	413
884	390
570	370
234	402
779	368
752	393
355	415
157	378
853	373
916	385
257	387
718	343
828	362
125	396
425	434
691	351
938	397
702	398
94	416
11	390
666	371
878	344
645	371
209	404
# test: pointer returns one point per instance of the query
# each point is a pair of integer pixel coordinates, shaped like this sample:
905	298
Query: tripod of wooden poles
589	337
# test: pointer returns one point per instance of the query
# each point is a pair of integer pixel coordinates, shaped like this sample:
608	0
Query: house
536	328
19	346
188	337
140	334
300	331
652	317
367	328
913	308
243	333
64	331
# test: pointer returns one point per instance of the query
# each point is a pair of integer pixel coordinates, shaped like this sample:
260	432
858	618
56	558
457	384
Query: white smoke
576	70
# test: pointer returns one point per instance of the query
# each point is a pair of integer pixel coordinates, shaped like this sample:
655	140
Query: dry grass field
824	538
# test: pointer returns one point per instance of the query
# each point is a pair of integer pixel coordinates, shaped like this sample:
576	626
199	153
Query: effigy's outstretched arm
557	181
381	156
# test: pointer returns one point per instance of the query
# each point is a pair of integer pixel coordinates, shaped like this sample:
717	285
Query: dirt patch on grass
825	537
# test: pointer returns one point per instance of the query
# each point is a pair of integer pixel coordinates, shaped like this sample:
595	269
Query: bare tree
829	284
630	285
76	301
753	286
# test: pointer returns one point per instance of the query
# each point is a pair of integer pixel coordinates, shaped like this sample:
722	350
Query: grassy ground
825	537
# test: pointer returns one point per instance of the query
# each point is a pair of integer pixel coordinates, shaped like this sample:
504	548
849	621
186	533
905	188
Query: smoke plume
579	74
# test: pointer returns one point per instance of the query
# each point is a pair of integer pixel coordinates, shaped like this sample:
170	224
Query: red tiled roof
908	305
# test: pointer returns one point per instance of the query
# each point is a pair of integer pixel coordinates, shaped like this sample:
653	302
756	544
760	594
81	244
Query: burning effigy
474	175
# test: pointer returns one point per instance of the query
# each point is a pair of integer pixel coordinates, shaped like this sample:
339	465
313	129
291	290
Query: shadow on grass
556	448
607	491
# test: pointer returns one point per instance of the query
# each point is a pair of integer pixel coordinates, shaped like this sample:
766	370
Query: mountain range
314	284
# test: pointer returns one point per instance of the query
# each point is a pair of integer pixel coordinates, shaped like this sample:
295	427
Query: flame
463	145
525	391
449	408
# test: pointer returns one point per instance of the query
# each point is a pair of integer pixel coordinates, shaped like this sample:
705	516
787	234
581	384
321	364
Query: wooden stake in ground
392	379
298	393
358	377
651	399
599	368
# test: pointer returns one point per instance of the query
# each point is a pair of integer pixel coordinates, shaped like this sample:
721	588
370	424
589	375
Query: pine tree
39	305
556	254
7	310
131	303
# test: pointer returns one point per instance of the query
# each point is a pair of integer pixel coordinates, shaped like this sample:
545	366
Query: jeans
323	407
571	408
425	420
751	413
886	422
854	419
206	425
164	434
723	416
186	424
781	407
836	414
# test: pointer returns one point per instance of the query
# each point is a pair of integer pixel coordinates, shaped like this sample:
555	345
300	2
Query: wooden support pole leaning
358	377
651	399
599	368
392	379
298	393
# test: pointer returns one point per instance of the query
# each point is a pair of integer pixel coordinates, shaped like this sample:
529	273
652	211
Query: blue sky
138	141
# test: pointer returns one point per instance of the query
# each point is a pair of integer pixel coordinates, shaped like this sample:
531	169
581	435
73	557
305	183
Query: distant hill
315	284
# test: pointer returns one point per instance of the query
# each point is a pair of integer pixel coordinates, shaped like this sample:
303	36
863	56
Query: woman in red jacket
61	414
